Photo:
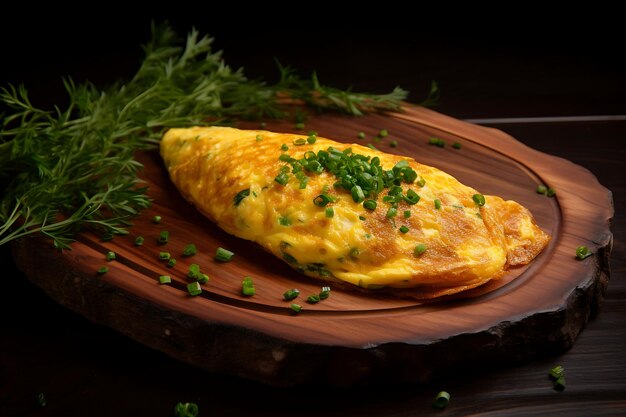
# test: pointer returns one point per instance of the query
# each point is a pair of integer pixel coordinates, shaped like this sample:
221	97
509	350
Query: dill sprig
66	170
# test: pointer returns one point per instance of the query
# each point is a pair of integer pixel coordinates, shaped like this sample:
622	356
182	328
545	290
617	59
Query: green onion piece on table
103	270
223	255
296	307
324	293
165	279
156	219
190	250
582	252
442	400
110	256
164	237
139	241
291	294
194	289
313	299
186	410
171	263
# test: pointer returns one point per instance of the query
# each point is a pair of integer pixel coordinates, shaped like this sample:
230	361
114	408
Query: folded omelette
350	214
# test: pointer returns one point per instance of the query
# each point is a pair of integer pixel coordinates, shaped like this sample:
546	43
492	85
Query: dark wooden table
86	369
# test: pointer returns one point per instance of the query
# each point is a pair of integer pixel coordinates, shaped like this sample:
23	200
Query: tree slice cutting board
351	337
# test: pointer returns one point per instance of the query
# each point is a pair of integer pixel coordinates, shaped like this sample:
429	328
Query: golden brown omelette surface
230	175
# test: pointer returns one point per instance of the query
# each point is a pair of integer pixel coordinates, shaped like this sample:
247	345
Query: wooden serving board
351	337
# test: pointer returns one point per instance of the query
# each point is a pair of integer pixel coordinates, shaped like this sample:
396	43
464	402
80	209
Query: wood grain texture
349	338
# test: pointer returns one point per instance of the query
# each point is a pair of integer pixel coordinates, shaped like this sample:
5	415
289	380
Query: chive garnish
404	229
383	133
110	255
559	384
361	135
311	139
156	219
313	299
194	289
223	255
299	141
194	271
551	192
299	126
190	250
139	240
437	142
164	256
259	138
582	252
322	200
171	263
240	196
357	193
411	197
324	293
186	410
393	143
556	372
437	204
479	199
391	212
330	212
247	287
103	270
296	307
442	400
370	204
282	178
456	145
291	294
542	189
165	279
419	249
164	237
284	221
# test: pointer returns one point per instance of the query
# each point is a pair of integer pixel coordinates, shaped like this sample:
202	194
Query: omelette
350	214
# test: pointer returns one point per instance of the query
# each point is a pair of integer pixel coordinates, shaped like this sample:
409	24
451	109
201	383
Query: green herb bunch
69	169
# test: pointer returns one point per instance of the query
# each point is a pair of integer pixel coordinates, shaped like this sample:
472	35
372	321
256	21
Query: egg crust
229	176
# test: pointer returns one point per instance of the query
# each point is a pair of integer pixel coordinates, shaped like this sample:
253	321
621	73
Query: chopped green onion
194	289
393	143
559	384
282	178
284	147
325	293
313	299
361	135
247	287
296	307
322	200
542	189
299	126
370	204
411	197
291	294
311	139
223	255
407	214
240	196
165	279
556	372
437	204
194	271
312	133
551	192
164	256
437	142
456	145
383	133
421	182
186	410
330	212
362	218
419	249
139	240
171	263
372	147
299	141
582	252
442	400
41	400
391	212
479	199
357	194
284	221
190	250
103	270
404	229
203	278
110	255
156	219
259	138
164	237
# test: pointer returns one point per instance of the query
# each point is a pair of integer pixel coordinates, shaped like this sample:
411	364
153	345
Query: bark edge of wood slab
351	338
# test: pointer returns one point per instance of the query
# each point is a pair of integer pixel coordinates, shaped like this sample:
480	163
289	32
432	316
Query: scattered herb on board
582	252
186	410
441	400
73	168
223	255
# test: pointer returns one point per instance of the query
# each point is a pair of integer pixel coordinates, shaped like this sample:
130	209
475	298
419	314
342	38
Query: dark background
544	65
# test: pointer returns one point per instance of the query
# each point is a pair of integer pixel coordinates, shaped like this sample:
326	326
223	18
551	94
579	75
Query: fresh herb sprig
66	170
